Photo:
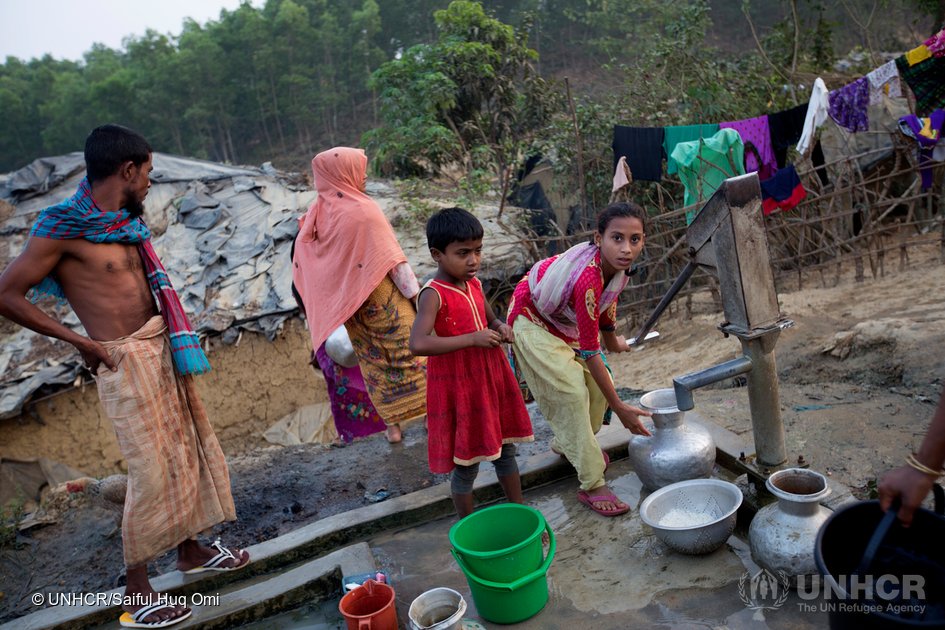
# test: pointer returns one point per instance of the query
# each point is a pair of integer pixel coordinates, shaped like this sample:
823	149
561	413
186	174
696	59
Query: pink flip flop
589	501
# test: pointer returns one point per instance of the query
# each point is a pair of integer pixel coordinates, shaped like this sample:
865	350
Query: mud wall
253	384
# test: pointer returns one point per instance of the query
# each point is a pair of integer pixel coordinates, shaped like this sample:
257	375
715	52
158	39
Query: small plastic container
351	582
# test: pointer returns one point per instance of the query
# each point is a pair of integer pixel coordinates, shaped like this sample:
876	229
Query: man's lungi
178	481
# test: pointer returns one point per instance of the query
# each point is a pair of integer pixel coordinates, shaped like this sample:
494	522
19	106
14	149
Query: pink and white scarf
551	294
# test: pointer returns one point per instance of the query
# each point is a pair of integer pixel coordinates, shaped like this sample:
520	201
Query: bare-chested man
94	250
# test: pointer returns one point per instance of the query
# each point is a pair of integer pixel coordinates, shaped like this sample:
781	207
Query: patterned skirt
352	409
380	333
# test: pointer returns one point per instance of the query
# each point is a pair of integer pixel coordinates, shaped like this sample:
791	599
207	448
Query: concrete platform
241	602
608	573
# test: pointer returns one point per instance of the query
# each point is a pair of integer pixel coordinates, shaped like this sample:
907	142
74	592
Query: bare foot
192	555
394	434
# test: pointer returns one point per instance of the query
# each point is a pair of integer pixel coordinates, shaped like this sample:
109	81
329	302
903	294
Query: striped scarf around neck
79	217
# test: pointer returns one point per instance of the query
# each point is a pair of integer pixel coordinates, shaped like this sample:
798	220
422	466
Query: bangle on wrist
913	462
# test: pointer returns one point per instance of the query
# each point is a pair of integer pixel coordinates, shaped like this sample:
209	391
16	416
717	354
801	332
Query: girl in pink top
559	313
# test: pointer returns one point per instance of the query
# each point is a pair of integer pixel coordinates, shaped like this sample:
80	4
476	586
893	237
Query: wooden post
580	147
943	241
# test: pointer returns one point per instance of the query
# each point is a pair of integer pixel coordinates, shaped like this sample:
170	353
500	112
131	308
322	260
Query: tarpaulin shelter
224	234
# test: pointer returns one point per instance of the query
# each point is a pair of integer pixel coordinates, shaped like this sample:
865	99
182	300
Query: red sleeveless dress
474	404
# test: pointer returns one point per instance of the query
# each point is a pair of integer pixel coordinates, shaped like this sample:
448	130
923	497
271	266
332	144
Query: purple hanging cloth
848	105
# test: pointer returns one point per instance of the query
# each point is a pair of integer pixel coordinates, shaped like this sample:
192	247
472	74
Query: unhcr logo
902	596
764	590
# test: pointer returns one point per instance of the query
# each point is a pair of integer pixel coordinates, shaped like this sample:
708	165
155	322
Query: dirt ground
860	373
243	401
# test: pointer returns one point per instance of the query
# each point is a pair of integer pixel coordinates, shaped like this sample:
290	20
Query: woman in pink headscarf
350	269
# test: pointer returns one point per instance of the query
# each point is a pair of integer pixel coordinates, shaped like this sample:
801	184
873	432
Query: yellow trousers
567	395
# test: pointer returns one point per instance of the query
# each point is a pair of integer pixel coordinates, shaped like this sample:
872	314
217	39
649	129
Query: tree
472	98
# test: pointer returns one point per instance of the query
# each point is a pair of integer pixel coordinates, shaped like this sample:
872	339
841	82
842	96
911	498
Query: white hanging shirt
816	114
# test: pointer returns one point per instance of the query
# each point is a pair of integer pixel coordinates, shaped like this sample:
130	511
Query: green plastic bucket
510	602
500	543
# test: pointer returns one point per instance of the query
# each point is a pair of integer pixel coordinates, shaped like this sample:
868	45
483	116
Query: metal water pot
676	451
782	535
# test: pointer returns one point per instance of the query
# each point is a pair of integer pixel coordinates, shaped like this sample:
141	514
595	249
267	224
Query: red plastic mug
369	607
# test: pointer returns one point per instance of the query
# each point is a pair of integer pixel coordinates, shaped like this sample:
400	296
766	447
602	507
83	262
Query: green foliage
473	187
290	77
815	39
417	208
472	100
872	489
822	54
284	79
668	75
10	516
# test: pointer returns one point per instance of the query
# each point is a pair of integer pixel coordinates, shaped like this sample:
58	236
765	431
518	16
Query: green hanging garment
672	136
705	164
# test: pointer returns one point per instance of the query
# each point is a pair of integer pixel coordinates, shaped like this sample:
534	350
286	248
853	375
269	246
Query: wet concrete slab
607	573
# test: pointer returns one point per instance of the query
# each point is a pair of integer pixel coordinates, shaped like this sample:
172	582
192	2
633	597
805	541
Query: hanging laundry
622	175
672	136
785	128
643	148
927	80
755	133
917	55
817	109
848	105
783	191
927	132
884	79
936	44
705	164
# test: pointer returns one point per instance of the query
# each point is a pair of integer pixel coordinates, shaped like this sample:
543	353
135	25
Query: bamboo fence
872	205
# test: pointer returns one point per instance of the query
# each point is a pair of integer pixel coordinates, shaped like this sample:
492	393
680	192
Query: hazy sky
68	28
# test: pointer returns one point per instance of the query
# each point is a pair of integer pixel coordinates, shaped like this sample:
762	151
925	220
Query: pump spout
683	385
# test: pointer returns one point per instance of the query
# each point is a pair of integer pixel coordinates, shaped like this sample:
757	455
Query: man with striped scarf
94	251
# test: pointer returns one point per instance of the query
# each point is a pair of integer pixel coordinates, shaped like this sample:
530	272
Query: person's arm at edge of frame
424	344
909	483
38	259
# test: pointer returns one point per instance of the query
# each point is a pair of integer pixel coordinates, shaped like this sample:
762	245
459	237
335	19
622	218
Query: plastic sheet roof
224	235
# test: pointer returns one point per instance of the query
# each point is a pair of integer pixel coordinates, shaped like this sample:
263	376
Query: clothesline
764	140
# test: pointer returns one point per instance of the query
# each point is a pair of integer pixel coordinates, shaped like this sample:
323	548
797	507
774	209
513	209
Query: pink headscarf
345	244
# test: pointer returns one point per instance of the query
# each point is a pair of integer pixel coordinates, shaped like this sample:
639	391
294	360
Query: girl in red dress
475	410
